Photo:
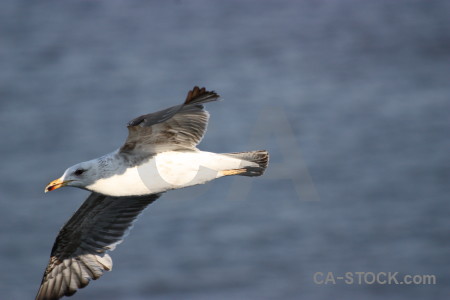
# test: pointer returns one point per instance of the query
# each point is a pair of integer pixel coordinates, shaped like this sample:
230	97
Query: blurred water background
352	98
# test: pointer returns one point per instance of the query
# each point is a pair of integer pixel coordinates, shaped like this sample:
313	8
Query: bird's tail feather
254	163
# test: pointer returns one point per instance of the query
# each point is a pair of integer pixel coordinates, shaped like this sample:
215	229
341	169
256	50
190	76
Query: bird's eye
78	172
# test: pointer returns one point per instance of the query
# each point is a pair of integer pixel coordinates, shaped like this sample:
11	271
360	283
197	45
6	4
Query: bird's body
165	171
160	154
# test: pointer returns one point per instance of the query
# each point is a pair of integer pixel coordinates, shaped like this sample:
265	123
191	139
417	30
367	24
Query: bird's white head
79	175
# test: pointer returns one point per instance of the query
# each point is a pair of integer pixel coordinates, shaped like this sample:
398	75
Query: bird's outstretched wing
80	250
174	128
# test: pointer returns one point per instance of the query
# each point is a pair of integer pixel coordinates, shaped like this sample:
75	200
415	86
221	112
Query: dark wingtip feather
200	95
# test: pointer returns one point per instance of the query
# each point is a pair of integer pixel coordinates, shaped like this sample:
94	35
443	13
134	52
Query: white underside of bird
169	170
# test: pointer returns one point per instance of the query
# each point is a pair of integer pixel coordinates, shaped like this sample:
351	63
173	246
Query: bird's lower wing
79	253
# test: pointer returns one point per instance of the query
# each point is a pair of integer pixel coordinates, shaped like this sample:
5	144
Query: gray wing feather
79	253
177	127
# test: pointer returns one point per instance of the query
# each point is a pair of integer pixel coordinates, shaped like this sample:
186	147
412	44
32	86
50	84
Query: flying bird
159	154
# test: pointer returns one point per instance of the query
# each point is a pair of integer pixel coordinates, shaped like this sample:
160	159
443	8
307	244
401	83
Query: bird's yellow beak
56	184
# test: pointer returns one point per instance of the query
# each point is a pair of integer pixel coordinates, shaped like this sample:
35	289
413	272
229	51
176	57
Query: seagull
159	155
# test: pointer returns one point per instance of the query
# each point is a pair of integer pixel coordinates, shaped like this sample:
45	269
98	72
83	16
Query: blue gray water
351	97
